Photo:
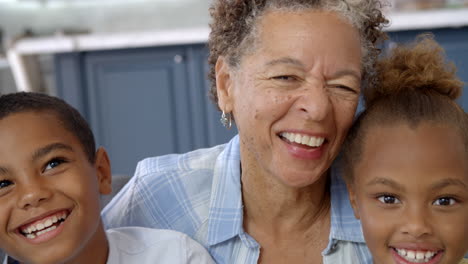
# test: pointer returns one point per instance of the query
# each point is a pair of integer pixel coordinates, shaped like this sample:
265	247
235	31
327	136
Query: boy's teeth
416	256
44	225
303	139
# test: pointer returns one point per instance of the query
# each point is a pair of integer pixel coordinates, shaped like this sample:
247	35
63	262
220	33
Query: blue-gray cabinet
143	102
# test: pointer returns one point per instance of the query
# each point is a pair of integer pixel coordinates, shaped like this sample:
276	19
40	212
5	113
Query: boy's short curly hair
233	28
68	116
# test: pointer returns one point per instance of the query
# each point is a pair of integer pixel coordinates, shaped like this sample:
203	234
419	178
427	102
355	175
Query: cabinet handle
178	59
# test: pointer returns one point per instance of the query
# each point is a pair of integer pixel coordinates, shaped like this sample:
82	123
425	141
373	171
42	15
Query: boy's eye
388	199
5	183
53	163
444	201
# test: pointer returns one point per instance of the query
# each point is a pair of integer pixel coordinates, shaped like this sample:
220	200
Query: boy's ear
224	85
352	200
103	171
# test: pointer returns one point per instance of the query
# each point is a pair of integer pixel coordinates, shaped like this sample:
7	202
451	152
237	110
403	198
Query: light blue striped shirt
199	193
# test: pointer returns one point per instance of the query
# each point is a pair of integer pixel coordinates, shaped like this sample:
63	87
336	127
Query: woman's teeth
416	256
43	226
303	139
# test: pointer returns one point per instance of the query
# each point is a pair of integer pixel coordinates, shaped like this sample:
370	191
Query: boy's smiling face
49	191
411	193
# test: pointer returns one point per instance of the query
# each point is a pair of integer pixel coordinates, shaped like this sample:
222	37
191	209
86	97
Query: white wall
47	17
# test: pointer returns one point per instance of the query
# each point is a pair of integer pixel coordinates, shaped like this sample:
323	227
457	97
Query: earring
226	120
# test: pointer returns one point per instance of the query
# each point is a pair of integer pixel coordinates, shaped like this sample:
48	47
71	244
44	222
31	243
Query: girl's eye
444	201
388	199
53	163
5	183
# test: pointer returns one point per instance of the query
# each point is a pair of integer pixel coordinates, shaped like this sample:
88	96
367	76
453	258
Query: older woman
289	72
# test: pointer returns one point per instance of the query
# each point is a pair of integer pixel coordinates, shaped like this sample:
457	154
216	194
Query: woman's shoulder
200	159
464	261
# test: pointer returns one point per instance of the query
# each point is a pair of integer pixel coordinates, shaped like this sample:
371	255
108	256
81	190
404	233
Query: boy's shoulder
141	245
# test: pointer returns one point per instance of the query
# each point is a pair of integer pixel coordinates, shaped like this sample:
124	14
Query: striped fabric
199	193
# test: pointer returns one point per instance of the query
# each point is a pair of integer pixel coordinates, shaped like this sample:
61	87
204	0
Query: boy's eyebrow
447	182
49	148
3	171
387	182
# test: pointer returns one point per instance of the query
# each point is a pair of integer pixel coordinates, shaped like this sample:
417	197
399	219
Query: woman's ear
224	85
352	200
103	171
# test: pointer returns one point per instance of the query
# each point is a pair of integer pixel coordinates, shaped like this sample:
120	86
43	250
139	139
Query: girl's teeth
416	256
419	255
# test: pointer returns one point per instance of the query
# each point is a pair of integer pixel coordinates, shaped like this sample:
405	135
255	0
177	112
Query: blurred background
136	69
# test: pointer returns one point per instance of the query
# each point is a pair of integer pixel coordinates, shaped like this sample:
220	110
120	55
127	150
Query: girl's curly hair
233	28
415	84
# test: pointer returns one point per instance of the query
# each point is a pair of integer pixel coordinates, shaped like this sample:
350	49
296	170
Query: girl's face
411	193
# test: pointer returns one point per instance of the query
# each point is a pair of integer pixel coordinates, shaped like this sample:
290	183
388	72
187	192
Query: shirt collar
226	208
344	225
225	213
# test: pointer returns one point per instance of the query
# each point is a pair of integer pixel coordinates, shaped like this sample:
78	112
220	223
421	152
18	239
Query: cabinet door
138	104
455	43
143	102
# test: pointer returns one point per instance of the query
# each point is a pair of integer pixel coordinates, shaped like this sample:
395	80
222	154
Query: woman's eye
53	163
444	201
284	78
388	199
5	183
346	88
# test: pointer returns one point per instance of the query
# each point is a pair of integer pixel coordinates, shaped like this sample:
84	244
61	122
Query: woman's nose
314	101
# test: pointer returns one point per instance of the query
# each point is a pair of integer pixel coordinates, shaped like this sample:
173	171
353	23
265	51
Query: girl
405	160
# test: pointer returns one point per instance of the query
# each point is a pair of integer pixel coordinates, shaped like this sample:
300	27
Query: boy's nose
32	195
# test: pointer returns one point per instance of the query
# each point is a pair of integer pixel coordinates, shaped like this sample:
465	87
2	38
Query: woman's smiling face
411	193
294	96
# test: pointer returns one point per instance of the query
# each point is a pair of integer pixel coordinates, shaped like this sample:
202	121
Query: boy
50	181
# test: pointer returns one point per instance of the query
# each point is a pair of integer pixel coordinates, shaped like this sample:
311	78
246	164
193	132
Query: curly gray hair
233	29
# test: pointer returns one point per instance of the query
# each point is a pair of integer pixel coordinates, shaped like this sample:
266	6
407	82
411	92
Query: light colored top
146	245
139	245
199	193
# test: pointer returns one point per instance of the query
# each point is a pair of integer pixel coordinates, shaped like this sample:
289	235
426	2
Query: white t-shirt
140	245
146	245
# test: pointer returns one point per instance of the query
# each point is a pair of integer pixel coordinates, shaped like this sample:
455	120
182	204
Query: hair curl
416	84
233	28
